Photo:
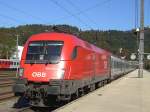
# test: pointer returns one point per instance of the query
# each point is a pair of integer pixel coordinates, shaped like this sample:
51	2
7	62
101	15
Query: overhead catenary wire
94	6
4	24
22	12
70	13
75	15
12	19
97	5
78	9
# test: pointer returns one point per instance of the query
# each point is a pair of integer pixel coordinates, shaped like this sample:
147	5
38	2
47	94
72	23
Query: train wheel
105	82
74	96
92	88
108	80
50	100
80	92
77	94
99	84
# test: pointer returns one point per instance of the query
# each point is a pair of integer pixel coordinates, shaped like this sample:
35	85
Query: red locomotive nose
43	60
43	72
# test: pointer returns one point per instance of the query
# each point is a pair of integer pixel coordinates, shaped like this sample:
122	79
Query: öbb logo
38	74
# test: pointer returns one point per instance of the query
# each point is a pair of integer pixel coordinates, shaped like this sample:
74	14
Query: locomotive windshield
44	52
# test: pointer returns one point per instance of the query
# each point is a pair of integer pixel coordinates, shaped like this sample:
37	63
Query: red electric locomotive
57	66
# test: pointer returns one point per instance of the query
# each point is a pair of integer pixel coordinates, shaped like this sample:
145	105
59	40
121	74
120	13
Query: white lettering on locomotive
38	74
105	64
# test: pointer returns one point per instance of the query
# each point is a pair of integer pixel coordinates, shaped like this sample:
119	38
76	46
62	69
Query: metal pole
141	43
17	47
17	58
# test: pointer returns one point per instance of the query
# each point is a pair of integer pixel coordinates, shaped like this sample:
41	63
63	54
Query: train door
112	69
109	66
94	66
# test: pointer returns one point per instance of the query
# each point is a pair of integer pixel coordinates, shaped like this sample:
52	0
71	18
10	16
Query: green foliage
111	40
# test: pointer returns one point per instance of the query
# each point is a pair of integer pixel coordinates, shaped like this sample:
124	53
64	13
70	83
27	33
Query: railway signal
133	56
148	57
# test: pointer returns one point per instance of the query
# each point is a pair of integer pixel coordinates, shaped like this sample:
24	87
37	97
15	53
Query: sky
85	14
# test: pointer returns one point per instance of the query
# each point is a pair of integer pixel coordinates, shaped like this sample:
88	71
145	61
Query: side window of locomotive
74	53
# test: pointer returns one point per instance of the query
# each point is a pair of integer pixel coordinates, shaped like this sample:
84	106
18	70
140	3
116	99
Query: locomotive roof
66	37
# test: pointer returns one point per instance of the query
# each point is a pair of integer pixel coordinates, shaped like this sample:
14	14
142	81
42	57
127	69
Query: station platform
127	94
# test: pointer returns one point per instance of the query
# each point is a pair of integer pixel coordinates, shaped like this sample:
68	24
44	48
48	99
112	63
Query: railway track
26	109
7	79
6	95
35	109
6	90
7	74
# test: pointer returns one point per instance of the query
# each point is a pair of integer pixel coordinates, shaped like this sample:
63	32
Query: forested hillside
111	40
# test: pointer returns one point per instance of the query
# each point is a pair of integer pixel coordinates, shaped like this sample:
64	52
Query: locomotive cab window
44	52
74	53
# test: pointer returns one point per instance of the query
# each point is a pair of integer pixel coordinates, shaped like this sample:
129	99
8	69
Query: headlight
60	73
21	71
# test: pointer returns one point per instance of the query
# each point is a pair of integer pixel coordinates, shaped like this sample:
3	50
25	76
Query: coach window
11	63
74	53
